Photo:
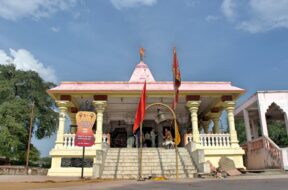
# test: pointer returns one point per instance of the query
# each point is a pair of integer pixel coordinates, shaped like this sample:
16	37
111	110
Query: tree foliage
277	132
241	133
18	89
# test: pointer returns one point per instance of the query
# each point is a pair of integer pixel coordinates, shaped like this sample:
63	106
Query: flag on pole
177	83
140	114
176	78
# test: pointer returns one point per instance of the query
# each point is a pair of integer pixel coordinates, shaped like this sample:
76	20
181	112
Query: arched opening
275	118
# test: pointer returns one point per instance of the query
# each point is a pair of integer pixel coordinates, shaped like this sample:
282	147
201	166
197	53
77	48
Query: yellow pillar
63	107
206	126
100	108
215	118
73	126
193	108
230	107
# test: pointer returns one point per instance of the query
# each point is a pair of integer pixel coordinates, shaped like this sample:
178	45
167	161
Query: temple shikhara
115	154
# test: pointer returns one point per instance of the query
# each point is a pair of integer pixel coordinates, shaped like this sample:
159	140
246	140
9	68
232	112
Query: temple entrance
119	138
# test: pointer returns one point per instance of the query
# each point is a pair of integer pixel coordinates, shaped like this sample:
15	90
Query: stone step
145	149
135	176
145	160
145	153
169	167
149	172
154	164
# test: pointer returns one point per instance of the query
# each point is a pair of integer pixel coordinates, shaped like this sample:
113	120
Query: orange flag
176	77
140	114
177	83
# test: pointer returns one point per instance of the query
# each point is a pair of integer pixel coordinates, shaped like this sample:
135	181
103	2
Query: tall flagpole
140	154
174	109
175	133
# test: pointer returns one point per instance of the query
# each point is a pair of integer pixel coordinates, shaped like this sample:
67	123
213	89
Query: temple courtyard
255	182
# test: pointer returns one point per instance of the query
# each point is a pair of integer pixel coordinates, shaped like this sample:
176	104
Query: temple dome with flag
199	108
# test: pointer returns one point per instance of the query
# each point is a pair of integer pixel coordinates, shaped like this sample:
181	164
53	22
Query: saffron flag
176	78
140	114
177	83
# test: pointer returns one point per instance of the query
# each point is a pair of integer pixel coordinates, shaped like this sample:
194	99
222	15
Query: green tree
241	133
17	91
277	132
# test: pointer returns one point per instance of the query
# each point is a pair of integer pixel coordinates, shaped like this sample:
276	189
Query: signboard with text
84	135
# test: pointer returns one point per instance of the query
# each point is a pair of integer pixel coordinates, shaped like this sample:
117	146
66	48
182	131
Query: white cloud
210	18
228	9
24	60
17	9
261	15
55	29
120	4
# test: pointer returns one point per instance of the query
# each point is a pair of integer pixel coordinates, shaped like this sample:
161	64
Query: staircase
122	163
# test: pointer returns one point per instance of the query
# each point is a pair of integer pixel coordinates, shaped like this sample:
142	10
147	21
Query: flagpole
175	126
175	120
140	154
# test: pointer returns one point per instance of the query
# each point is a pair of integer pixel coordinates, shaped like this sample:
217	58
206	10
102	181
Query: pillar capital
63	105
100	105
215	115
193	105
72	118
229	105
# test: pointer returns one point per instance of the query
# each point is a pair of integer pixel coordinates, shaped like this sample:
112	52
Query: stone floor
255	182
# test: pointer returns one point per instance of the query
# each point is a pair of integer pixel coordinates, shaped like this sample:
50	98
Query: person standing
153	137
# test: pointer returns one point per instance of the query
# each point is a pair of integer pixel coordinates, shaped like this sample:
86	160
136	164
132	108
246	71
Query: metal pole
176	148
82	170
29	138
140	154
175	125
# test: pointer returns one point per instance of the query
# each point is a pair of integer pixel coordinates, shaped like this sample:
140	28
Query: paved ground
268	182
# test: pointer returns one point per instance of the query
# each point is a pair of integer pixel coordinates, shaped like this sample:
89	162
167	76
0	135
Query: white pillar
206	126
262	114
215	117
254	129
230	107
286	121
73	126
63	107
247	125
193	108
100	108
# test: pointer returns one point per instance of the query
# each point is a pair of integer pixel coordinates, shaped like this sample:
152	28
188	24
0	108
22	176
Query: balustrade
68	141
212	140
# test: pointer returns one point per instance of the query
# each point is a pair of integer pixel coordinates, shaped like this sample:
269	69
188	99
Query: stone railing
211	140
273	150
267	150
70	138
215	140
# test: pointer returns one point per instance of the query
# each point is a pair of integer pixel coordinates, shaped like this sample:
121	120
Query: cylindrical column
206	126
100	108
230	107
193	108
247	125
215	118
73	126
63	107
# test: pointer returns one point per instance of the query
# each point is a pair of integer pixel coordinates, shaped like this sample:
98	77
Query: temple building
198	113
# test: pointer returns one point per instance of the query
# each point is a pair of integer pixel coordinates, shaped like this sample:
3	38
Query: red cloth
140	114
177	78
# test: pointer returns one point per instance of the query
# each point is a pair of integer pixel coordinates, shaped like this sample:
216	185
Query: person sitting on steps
168	139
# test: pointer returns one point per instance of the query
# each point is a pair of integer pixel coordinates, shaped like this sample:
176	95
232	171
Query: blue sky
243	41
